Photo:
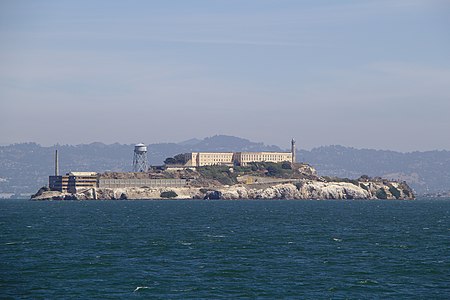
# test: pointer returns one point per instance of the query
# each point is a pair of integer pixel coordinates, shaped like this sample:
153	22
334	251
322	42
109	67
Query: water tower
140	158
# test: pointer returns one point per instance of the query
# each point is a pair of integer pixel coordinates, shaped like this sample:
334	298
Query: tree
170	161
178	159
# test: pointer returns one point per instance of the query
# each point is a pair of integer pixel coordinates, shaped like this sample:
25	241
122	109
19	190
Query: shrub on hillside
219	173
168	194
286	165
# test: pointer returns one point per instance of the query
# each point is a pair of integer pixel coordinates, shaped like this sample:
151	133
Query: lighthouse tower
293	150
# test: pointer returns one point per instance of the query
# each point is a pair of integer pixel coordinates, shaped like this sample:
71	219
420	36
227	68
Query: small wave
140	288
12	243
337	240
215	236
368	281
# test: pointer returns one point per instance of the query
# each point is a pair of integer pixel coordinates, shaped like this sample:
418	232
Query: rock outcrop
302	189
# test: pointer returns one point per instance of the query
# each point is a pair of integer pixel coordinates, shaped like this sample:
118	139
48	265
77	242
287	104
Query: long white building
198	159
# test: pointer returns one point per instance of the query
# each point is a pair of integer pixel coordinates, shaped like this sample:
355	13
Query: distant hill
25	167
426	172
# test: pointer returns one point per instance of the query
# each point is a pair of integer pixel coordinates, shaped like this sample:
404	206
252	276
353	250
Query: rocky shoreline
306	189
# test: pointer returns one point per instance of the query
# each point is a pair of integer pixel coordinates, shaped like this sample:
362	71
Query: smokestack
56	163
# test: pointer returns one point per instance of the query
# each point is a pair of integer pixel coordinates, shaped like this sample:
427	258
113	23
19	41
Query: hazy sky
372	74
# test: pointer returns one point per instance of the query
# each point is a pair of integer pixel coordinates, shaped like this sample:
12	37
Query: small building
73	182
79	181
58	183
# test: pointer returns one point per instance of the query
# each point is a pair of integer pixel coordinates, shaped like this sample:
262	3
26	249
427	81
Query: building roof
83	173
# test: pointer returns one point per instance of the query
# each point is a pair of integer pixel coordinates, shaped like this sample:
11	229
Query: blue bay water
225	249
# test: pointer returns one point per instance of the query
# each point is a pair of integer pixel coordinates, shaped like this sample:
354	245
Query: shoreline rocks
307	189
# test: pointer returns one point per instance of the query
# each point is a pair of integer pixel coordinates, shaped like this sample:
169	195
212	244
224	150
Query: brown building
58	183
73	182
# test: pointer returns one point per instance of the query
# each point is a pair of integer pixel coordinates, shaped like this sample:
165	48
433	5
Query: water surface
230	249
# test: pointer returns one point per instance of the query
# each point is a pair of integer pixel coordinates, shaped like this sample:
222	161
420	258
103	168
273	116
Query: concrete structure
58	183
140	163
73	182
244	158
196	159
79	181
140	183
76	182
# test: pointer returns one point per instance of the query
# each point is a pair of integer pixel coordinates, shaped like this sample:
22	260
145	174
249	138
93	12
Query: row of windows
266	157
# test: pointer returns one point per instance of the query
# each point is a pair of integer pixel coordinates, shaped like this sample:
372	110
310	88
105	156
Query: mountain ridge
24	167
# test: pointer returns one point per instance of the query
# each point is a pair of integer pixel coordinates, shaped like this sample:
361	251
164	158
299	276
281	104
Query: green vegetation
337	179
381	194
224	175
272	169
219	173
286	165
176	160
239	169
364	178
168	194
395	192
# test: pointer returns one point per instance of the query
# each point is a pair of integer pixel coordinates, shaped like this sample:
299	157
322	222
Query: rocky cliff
305	189
257	181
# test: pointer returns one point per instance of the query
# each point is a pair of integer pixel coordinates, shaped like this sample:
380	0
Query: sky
365	74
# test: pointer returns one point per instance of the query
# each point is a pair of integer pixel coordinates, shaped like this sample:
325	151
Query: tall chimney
56	163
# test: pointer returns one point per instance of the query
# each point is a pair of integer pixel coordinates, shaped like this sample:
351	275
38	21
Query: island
254	180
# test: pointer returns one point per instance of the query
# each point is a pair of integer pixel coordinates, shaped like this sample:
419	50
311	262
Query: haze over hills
25	167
